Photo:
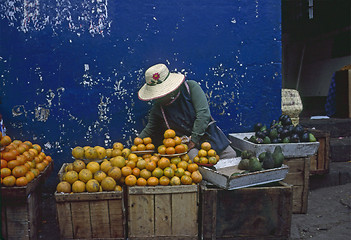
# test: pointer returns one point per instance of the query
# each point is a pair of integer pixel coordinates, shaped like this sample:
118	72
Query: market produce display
266	160
281	131
206	155
21	161
126	166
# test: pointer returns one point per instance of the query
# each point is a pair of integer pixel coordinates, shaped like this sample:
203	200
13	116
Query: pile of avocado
265	160
281	131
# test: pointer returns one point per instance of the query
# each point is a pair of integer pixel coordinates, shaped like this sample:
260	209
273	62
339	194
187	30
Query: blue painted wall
70	69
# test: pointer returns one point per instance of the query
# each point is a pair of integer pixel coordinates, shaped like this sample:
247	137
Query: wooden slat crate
298	176
20	209
99	215
320	161
163	212
261	212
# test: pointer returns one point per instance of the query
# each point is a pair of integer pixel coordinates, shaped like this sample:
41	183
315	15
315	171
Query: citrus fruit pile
98	152
21	162
206	155
172	144
142	144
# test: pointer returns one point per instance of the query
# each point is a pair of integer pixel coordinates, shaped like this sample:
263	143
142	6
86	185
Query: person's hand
191	145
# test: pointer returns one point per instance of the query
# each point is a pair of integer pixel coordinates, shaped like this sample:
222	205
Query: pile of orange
21	162
98	152
142	144
206	155
172	144
91	177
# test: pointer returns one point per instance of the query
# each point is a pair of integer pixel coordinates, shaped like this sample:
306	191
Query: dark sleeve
153	123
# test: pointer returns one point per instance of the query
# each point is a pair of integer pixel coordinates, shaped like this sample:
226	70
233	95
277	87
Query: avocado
312	137
261	156
298	129
275	140
278	149
246	154
278	157
263	128
254	164
266	140
252	139
295	138
273	133
268	161
259	140
305	137
286	139
244	164
260	134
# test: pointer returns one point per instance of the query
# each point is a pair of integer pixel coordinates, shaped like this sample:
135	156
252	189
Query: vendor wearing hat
182	106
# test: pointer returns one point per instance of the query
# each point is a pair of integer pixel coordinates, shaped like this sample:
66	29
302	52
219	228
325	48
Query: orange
170	150
206	146
64	187
131	164
116	152
155	158
35	171
168	172
101	152
141	164
99	176
196	159
138	141
78	165
37	147
92	185
203	160
157	172
118	145
187	173
179	172
192	167
134	148
141	147
125	152
115	173
183	164
151	165
152	181
202	153
105	166
5	140
212	160
5	172
163	163
136	172
175	181
30	176
85	175
180	148
150	146
196	177
118	188
21	149
169	142
93	167
177	140
9	181
133	157
78	186
118	161
21	159
169	133
108	184
109	152
161	149
175	160
90	153
126	171
12	164
211	153
141	182
8	156
186	180
145	174
19	171
164	181
21	181
130	180
71	177
3	163
147	140
173	166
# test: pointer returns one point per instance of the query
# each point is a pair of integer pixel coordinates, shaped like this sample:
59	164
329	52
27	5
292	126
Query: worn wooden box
320	160
163	212
260	212
20	208
298	176
99	215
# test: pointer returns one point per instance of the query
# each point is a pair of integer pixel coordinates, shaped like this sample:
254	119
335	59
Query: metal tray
220	175
290	150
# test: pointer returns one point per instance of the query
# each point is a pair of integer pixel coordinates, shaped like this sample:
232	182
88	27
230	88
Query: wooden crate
20	208
99	215
298	176
163	212
261	212
320	161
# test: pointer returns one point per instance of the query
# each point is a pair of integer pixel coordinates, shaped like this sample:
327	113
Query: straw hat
159	82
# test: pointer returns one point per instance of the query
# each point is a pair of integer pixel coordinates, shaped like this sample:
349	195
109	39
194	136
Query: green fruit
254	165
266	140
278	158
246	154
312	138
261	156
268	161
244	164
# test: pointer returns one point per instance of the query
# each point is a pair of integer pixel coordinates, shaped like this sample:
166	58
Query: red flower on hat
156	76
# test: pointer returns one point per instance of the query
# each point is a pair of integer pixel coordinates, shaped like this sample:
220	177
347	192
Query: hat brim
147	93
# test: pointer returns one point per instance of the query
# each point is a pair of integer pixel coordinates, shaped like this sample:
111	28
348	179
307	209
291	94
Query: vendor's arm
152	124
203	114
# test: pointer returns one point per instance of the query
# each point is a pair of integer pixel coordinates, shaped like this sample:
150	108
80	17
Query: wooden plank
99	217
185	214
163	215
314	162
141	215
162	189
17	220
208	214
297	199
295	164
306	185
320	156
81	220
295	178
64	217
3	220
33	205
86	196
117	221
